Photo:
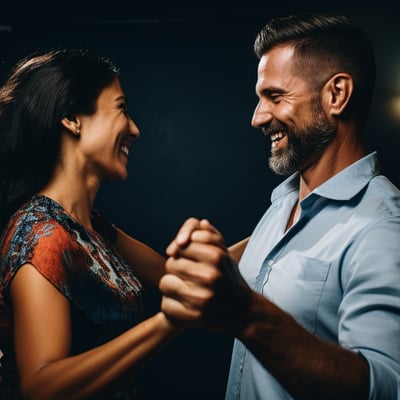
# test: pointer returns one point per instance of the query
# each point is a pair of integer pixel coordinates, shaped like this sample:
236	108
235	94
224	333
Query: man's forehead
277	57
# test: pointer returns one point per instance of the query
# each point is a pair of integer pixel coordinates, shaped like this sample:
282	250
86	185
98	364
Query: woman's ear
337	93
72	124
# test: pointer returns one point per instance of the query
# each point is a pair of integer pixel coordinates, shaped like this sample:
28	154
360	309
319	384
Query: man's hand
203	285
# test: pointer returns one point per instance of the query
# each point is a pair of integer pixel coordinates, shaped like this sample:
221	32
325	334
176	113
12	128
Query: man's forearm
305	365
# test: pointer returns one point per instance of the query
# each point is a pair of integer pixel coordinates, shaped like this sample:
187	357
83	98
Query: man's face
289	112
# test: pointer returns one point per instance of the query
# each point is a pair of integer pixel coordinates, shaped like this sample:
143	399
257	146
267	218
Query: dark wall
189	75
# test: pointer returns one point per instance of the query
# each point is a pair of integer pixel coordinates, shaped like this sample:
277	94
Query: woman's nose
133	129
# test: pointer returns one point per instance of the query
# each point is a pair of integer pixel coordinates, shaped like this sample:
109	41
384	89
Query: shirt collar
342	186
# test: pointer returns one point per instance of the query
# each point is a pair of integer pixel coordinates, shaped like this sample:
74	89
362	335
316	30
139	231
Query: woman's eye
124	108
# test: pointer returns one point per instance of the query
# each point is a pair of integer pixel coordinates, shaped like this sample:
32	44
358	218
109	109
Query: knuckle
191	221
168	263
215	255
165	284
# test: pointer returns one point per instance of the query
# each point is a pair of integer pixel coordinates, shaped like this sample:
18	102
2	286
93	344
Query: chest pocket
295	284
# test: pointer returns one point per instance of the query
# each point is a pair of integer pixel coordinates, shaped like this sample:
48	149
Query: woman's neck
77	199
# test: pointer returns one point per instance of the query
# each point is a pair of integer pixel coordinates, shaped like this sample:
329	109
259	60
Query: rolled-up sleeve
369	315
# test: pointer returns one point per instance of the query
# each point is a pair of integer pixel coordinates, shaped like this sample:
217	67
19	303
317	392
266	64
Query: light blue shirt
336	271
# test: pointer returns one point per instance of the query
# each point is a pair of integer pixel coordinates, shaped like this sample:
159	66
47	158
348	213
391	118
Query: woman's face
106	135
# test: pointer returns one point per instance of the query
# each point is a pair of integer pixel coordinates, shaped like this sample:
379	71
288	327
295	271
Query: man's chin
281	165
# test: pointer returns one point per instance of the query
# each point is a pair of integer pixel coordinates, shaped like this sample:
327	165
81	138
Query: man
315	302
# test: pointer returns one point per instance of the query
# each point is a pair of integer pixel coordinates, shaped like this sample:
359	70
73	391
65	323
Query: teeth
125	149
276	137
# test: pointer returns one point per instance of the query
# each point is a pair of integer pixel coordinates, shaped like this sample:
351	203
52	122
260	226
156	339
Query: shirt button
270	262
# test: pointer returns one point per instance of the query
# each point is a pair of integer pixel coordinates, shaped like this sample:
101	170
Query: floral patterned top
105	296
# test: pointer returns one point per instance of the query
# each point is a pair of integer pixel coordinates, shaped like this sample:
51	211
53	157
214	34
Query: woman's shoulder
35	234
38	223
35	218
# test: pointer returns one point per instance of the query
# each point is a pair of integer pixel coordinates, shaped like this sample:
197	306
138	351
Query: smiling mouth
276	138
125	149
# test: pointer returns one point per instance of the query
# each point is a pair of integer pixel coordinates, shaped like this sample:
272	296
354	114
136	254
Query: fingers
183	236
189	226
203	287
176	311
195	230
199	286
208	237
182	300
199	272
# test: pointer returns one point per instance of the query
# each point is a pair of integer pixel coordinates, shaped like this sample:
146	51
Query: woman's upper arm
41	322
147	263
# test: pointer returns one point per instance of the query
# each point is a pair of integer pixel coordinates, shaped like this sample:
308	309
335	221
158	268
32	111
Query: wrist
170	325
261	317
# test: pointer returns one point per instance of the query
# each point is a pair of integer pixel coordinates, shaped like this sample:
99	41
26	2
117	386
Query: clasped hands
202	285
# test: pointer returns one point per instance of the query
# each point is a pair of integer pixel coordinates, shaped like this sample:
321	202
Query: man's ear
337	93
72	124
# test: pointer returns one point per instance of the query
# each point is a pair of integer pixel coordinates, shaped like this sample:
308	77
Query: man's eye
275	98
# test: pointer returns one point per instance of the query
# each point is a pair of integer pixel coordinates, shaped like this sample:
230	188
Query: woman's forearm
104	369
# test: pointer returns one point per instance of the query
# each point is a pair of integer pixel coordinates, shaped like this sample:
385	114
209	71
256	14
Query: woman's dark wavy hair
40	91
326	44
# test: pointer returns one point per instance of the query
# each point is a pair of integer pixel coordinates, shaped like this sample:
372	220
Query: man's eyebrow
270	89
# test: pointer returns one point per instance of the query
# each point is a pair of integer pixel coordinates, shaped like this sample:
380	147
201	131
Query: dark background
189	72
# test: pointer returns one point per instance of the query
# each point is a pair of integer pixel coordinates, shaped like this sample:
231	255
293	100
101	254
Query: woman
70	282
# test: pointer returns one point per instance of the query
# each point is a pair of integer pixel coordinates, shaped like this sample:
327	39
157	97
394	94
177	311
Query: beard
304	144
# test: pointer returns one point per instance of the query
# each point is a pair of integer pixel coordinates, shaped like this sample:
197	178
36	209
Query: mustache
274	127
